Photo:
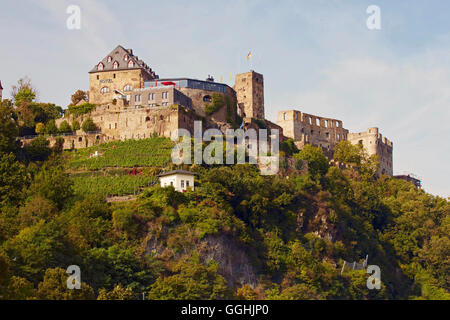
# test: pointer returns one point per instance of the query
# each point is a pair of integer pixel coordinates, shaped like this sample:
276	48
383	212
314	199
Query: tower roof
122	57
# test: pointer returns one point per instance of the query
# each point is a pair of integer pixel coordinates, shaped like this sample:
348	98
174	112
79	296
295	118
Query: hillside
238	235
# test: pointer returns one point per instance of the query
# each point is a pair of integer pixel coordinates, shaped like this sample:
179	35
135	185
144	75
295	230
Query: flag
249	55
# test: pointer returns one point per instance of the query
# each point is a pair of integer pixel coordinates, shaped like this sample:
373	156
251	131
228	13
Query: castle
133	102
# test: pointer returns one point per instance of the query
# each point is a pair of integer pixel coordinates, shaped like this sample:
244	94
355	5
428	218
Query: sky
317	56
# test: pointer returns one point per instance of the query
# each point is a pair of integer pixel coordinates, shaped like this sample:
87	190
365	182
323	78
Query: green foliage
153	152
64	127
89	125
53	183
8	129
81	109
119	184
317	161
217	102
50	127
13	179
288	147
261	124
38	149
76	125
54	287
118	293
193	281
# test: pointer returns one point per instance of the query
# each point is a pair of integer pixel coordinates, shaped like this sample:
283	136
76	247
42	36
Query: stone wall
306	128
375	143
249	89
112	80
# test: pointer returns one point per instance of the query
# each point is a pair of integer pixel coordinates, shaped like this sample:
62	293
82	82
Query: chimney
130	51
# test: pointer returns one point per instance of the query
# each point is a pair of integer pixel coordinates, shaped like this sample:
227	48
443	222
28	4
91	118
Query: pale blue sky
316	56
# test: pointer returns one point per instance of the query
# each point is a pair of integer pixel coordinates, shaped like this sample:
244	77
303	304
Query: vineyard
111	184
154	152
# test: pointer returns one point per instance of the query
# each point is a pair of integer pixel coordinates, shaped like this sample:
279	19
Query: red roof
168	83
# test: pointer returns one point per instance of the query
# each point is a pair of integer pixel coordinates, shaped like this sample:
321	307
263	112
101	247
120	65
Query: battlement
307	128
372	133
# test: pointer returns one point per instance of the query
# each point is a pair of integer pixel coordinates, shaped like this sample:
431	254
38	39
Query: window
98	77
137	98
104	90
165	95
126	57
115	65
207	99
187	183
182	184
165	104
151	96
284	116
128	88
147	119
109	59
130	64
100	66
114	75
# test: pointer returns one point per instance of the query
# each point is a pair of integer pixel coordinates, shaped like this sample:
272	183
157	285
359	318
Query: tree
8	129
23	92
40	128
89	125
193	282
13	179
38	149
118	293
20	289
75	125
37	208
53	183
64	127
54	287
317	161
78	96
50	127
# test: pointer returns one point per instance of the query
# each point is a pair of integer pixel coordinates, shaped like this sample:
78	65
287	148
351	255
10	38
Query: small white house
181	180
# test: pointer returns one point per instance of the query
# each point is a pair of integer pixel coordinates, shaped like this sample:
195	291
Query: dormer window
130	64
100	66
109	59
128	88
115	65
126	57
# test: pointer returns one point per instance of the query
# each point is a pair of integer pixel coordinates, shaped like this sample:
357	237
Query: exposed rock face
235	265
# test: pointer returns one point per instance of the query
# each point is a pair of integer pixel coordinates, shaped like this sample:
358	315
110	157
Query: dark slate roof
117	55
177	171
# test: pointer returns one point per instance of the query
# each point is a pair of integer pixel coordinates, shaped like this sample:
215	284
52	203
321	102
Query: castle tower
1	91
249	87
120	71
375	143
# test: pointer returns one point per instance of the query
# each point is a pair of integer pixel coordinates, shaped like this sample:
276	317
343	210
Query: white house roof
171	173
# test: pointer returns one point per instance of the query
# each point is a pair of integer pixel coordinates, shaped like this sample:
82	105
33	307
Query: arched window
147	119
128	87
207	98
130	64
115	65
126	57
100	66
109	59
104	90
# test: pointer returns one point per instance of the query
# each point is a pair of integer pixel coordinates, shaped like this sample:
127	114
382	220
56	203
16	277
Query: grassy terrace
111	183
152	152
